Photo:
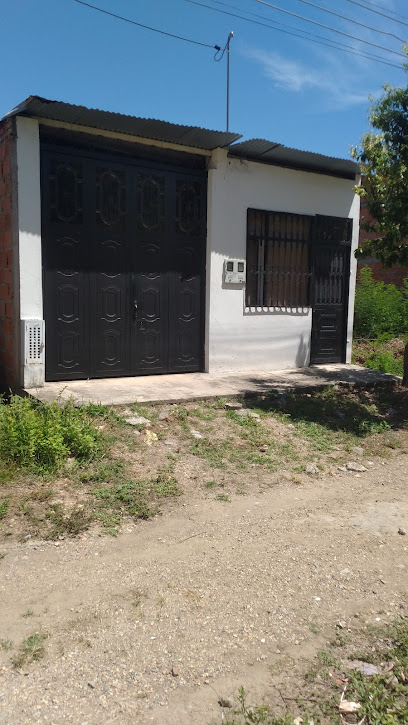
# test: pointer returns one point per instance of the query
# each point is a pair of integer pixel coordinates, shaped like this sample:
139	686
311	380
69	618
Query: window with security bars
278	264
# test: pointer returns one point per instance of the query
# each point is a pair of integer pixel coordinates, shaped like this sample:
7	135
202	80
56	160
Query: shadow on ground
341	408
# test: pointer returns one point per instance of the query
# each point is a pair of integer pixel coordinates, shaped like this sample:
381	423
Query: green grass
6	643
246	715
222	497
316	694
135	498
211	484
41	436
4	506
67	524
31	650
28	613
383	354
117	474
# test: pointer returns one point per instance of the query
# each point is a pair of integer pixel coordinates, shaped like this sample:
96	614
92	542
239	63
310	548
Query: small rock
224	703
174	672
357	467
150	437
342	468
357	451
196	434
169	442
233	405
290	426
402	531
245	413
346	707
137	420
27	537
263	449
91	684
164	415
341	625
311	469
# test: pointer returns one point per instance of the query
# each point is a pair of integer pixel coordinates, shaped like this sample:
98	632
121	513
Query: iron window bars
280	264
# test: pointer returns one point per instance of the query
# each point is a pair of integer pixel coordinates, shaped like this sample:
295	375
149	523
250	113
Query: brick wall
394	275
6	259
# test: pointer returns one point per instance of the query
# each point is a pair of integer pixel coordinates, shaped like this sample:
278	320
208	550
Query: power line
384	15
350	48
375	5
146	27
337	45
350	20
327	27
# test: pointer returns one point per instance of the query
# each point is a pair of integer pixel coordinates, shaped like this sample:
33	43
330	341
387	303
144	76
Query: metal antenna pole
231	35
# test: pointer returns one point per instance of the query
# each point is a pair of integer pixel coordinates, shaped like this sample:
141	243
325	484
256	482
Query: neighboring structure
131	246
391	275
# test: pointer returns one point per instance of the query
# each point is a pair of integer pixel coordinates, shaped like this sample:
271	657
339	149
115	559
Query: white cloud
335	84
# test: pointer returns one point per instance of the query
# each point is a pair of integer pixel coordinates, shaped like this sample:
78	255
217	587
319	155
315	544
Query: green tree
383	154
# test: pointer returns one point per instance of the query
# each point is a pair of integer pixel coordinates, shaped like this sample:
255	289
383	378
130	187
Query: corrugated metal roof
267	152
255	149
150	128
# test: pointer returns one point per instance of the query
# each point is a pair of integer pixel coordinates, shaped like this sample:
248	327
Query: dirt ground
159	623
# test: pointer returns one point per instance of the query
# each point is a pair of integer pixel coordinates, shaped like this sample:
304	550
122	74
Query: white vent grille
33	340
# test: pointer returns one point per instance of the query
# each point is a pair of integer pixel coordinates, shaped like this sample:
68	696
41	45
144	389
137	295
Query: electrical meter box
234	271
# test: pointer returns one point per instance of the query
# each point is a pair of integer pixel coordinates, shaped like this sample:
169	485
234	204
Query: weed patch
67	524
134	498
41	436
4	506
31	650
382	696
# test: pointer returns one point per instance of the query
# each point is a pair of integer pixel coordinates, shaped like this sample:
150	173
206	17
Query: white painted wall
29	239
237	338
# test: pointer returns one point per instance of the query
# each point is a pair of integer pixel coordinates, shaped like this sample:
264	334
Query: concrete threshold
183	387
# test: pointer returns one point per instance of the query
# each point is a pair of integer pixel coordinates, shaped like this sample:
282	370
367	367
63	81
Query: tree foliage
383	154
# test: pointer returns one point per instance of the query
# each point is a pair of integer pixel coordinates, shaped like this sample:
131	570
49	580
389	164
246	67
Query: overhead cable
328	27
336	44
146	27
375	5
350	20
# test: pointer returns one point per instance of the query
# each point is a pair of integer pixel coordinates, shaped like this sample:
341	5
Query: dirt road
156	625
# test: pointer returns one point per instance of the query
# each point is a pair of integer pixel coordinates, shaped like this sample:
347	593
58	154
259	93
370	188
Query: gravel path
157	624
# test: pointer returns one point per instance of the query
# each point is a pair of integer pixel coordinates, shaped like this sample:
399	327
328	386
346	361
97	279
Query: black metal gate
123	260
330	288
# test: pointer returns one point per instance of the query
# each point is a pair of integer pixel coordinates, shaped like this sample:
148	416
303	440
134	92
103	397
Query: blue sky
283	88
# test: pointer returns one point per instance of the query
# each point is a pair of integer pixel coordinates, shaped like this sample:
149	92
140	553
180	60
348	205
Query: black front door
330	288
123	258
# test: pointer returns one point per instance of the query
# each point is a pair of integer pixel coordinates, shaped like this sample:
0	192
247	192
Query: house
391	275
131	246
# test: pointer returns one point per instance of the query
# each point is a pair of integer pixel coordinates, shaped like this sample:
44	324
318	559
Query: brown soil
217	591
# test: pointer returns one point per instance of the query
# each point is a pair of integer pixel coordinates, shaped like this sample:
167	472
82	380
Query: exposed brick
5	240
5	166
5	204
8	326
5	275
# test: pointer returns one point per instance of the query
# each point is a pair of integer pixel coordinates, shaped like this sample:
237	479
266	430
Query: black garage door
123	259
